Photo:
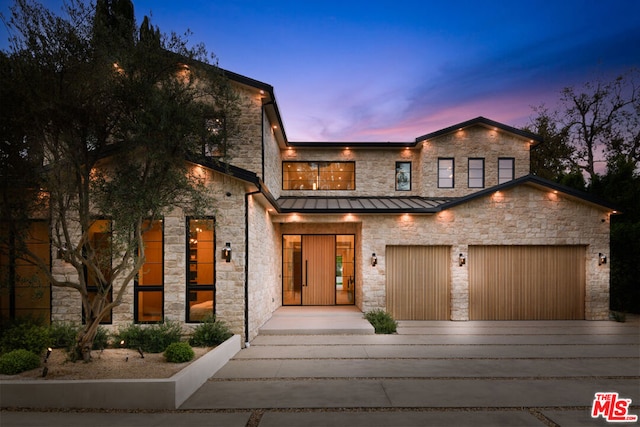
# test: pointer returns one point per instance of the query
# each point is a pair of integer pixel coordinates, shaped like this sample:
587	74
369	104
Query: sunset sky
382	70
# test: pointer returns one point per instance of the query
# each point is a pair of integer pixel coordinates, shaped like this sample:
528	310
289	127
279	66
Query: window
28	294
100	242
403	176
149	285
476	173
505	169
200	269
214	145
318	176
445	173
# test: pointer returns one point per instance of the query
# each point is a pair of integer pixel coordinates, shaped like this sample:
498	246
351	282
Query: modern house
449	226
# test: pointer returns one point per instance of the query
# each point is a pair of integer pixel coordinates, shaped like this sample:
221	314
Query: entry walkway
327	320
429	374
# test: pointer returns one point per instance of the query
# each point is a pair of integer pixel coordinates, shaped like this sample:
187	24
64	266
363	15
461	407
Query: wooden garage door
526	282
418	279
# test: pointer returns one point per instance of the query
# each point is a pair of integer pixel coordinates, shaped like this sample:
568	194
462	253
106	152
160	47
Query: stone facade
247	215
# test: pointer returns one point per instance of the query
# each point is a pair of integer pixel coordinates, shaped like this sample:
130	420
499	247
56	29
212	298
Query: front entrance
318	269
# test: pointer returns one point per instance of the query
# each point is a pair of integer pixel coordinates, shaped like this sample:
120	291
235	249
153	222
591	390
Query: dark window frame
137	289
12	267
501	180
398	177
94	289
189	287
453	172
318	178
481	159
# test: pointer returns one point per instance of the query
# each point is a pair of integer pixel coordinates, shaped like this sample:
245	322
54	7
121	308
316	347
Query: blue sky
382	70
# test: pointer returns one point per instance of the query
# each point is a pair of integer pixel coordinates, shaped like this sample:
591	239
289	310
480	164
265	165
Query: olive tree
103	114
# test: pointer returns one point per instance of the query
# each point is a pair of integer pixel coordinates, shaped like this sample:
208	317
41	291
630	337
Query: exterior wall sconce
374	260
461	260
602	259
226	252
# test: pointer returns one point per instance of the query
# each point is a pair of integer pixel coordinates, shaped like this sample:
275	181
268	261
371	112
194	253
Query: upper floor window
403	176
476	173
445	173
214	145
318	175
506	169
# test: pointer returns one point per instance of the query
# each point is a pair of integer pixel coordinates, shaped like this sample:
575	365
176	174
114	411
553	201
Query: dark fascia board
535	180
537	139
239	173
352	145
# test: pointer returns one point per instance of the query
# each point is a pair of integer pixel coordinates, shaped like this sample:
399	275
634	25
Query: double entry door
318	269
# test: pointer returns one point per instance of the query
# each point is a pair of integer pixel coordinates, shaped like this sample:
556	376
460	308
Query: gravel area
116	363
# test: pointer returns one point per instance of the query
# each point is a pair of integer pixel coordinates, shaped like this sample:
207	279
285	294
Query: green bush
27	335
132	335
150	339
210	333
17	361
382	322
101	339
63	335
179	352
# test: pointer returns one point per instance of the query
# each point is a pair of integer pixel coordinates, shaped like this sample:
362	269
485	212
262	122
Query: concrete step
329	320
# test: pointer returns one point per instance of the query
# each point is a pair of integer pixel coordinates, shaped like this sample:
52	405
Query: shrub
152	339
27	335
132	336
179	352
63	335
382	322
17	361
101	339
210	333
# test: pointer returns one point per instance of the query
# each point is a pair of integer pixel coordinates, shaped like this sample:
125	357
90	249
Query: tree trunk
84	342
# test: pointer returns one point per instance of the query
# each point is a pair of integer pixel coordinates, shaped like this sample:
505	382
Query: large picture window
28	294
100	243
200	269
149	285
476	173
445	173
506	167
318	176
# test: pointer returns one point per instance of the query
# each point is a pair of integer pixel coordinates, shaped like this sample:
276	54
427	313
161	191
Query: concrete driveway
529	373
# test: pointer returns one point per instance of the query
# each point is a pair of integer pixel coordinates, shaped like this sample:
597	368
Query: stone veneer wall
375	170
246	147
264	267
519	216
227	210
474	142
272	160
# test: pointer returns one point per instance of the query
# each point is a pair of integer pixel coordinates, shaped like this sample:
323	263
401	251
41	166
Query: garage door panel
418	282
526	282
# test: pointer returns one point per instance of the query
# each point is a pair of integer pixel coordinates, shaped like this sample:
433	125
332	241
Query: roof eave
483	121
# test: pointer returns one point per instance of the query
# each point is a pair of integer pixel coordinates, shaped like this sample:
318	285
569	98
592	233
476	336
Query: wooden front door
318	270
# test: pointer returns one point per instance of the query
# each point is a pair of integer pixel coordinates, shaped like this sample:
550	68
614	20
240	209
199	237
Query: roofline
536	139
354	144
271	103
239	173
451	202
536	180
425	210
